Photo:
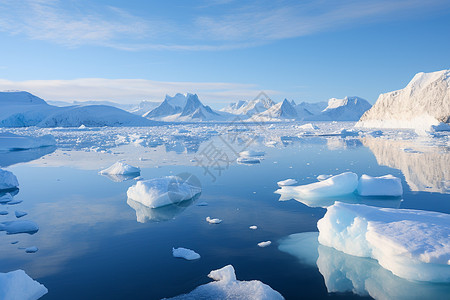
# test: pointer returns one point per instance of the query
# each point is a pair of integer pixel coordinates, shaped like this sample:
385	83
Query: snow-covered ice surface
226	286
17	285
344	273
386	185
159	192
185	253
412	244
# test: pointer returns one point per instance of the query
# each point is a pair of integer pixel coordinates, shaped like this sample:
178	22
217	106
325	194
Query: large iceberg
120	168
386	185
163	191
226	286
17	285
412	244
10	141
8	180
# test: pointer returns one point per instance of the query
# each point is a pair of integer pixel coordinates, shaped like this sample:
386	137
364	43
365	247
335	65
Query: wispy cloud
132	90
215	25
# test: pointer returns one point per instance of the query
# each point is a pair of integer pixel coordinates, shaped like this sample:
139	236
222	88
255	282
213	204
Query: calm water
91	245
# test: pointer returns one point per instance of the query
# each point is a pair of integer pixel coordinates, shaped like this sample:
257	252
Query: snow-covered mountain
143	107
280	111
313	108
347	109
425	101
182	108
249	108
22	109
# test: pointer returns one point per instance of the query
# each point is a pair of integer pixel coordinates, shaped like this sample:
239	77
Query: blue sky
223	50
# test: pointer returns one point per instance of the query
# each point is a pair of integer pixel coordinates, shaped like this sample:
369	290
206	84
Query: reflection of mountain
345	273
8	158
145	214
424	168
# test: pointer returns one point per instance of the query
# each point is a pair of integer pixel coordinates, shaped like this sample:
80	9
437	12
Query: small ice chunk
412	244
226	286
20	214
163	191
248	160
386	185
323	177
334	186
308	126
287	182
202	204
254	227
264	244
8	180
120	168
14	227
6	198
32	249
250	153
213	221
17	285
3	212
187	254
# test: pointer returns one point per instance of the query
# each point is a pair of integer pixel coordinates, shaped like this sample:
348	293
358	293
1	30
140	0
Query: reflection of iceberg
424	168
146	214
362	276
120	177
8	158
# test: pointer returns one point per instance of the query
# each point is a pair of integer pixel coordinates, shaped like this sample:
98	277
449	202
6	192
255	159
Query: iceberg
338	185
386	185
226	286
412	244
8	180
17	285
187	254
344	273
120	168
253	227
163	191
287	182
12	142
264	244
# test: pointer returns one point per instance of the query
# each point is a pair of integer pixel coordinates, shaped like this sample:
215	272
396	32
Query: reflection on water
345	273
121	177
425	168
9	158
146	214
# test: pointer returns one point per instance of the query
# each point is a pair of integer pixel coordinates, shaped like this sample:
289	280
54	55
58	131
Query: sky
223	50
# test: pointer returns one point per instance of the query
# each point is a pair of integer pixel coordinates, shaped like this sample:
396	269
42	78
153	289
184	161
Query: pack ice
120	168
226	286
8	180
10	141
17	285
163	191
412	244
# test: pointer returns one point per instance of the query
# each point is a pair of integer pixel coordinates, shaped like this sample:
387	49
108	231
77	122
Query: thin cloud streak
132	90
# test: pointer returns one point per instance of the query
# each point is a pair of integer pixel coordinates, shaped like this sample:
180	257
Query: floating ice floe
6	198
213	221
338	185
387	185
11	142
226	286
412	244
14	227
163	191
120	168
251	153
248	160
20	214
17	285
264	244
32	249
253	227
287	182
344	273
187	254
8	180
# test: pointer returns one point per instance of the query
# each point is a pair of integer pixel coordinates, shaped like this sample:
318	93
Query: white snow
14	227
226	286
121	168
163	191
8	180
10	141
338	185
412	244
387	185
213	221
187	254
253	227
287	182
264	244
17	285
